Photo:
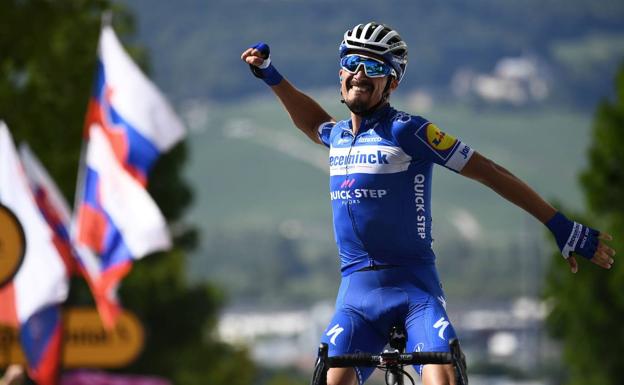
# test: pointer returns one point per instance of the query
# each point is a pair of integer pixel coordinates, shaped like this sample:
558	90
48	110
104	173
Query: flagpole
107	18
106	21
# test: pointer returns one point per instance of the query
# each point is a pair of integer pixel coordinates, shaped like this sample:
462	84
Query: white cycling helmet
380	40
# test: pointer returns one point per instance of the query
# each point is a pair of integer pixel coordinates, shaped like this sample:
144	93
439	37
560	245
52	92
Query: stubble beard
359	105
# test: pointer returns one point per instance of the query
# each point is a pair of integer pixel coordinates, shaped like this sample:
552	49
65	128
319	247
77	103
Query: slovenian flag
128	125
31	300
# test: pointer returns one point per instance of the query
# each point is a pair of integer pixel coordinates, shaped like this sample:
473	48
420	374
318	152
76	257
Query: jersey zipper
349	209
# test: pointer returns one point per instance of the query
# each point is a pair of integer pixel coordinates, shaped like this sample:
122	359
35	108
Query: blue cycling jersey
380	186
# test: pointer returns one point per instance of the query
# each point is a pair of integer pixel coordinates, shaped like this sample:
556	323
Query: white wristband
266	63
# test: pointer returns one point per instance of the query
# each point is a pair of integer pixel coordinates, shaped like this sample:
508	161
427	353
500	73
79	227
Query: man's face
360	92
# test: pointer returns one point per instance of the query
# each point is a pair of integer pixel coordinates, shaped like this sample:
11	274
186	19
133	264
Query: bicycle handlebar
391	359
373	360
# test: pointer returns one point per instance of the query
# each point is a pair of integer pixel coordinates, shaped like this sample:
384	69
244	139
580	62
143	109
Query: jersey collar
379	114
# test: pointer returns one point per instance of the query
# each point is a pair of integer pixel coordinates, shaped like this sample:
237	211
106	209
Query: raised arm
572	237
508	186
304	111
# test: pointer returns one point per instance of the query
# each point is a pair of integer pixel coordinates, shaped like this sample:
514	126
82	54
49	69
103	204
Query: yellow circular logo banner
438	139
86	343
12	244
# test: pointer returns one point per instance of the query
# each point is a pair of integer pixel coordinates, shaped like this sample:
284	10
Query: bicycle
391	361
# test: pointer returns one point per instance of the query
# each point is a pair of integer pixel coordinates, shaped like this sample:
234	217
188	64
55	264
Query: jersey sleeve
324	132
422	139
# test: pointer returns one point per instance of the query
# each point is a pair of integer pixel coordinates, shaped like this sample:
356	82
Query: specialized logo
442	301
438	139
334	332
441	324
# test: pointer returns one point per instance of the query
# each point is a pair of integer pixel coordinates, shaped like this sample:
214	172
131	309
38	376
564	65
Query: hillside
262	197
195	45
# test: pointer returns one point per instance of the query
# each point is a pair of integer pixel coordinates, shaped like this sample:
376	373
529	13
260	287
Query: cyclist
380	164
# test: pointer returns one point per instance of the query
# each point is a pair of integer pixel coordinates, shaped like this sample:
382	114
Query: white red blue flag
42	334
31	300
52	205
128	125
135	117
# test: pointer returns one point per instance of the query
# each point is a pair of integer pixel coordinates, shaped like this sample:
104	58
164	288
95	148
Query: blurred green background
246	194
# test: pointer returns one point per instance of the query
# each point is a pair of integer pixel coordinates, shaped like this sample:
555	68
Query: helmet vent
358	31
372	47
399	52
369	31
382	34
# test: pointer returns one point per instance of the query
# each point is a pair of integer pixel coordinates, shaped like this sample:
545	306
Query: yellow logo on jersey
439	140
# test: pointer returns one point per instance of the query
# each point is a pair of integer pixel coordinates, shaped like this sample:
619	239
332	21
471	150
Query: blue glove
573	237
266	71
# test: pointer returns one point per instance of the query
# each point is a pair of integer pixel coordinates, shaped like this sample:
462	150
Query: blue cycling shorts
371	302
